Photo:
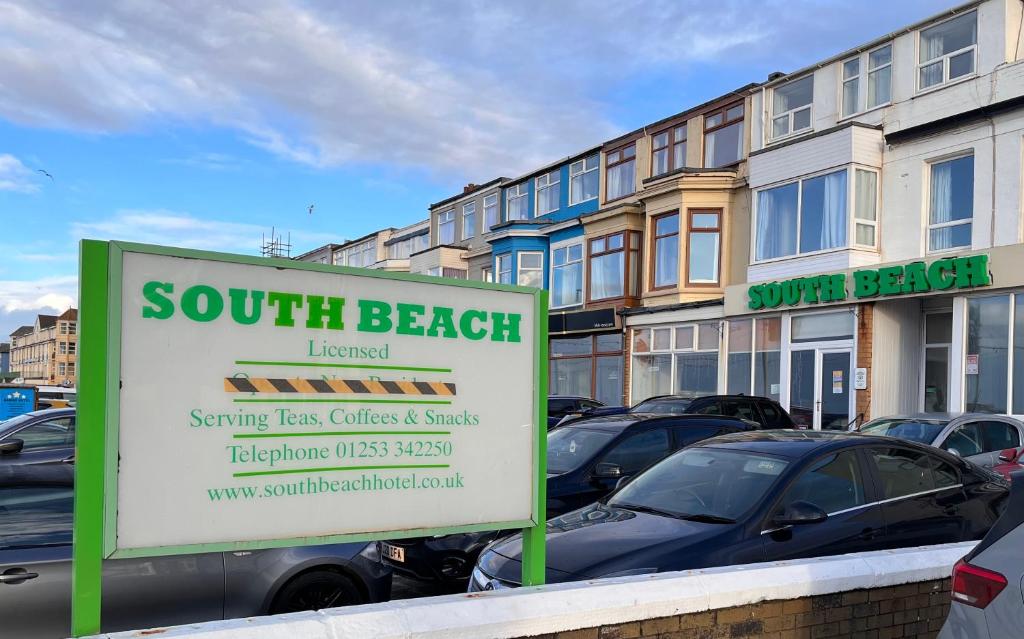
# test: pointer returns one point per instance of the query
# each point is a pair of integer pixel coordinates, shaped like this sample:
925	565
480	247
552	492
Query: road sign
240	403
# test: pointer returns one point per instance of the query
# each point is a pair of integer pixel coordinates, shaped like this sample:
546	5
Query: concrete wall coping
522	612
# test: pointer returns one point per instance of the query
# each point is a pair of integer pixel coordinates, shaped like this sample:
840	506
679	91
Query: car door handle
16	576
869	533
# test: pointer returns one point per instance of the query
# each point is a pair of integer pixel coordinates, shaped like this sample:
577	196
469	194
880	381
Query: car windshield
923	431
662	406
708	483
570	447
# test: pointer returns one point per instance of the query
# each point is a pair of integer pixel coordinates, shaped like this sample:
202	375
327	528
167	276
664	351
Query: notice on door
260	404
837	382
971	367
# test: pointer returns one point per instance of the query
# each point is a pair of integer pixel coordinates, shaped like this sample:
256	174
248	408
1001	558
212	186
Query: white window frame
851	219
930	164
445	217
497	211
791	113
566	244
468	230
945	57
498	267
520	269
517	192
863	77
580	172
487	274
543	183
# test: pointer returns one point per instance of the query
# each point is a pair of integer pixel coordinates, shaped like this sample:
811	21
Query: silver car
988	584
35	570
978	437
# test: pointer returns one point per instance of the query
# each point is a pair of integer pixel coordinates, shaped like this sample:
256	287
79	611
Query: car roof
570	397
791	443
625	420
694	399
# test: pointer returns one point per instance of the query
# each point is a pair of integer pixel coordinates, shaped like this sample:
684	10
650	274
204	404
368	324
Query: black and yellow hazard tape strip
335	386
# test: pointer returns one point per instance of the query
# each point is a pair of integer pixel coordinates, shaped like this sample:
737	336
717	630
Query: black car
586	460
764	496
766	412
560	406
40	437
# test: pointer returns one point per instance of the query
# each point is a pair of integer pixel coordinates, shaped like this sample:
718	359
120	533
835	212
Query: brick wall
915	610
865	323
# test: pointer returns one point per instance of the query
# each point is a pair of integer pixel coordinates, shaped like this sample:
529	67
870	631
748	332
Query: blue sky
205	124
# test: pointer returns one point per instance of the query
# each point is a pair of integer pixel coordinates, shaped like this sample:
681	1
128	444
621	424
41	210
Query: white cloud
56	293
15	176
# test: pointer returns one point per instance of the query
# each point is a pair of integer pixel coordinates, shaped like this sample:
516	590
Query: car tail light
975	586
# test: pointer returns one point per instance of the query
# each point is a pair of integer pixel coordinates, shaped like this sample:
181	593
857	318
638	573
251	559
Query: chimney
469	187
775	75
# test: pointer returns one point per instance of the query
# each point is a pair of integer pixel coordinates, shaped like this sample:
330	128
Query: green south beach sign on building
951	273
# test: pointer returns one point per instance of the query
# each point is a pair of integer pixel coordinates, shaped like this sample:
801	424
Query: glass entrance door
819	388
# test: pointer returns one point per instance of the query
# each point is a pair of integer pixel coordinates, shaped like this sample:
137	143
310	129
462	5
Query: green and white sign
914	278
229	402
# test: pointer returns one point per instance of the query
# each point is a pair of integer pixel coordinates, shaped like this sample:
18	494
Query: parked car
766	412
1010	461
35	570
40	437
987	590
559	406
979	437
586	459
763	496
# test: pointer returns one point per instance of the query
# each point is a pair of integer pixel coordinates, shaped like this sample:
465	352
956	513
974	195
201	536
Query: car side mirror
606	470
800	512
11	446
1009	455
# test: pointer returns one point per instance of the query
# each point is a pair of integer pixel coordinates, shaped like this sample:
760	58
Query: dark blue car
764	496
40	437
585	462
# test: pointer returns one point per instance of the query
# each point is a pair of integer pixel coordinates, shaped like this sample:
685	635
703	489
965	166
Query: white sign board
261	404
860	379
972	364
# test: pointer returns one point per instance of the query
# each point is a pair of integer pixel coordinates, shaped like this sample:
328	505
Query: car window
35	516
833	483
740	408
691	435
569	448
662	406
589	403
636	452
915	430
982	437
559	406
710	408
905	472
53	433
772	416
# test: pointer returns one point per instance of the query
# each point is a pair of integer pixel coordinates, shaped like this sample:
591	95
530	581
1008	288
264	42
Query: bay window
491	214
504	266
614	266
666	251
723	136
704	247
446	227
791	107
620	172
468	220
947	51
583	179
567	275
810	214
668	150
516	204
951	205
530	270
548	192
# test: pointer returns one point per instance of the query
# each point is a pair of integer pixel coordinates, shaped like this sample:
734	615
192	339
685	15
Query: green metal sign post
99	457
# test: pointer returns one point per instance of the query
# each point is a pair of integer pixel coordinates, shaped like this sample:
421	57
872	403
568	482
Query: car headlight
371	552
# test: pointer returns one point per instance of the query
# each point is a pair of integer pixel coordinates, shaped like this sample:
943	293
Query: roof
46	321
625	420
788	443
475	189
557	163
70	315
326	247
22	331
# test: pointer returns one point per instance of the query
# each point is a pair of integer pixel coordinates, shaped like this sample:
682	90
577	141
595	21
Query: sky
206	125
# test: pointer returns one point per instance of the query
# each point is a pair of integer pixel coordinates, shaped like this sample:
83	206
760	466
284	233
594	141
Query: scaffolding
276	245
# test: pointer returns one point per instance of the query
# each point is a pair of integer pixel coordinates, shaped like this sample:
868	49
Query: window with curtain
951	205
491	214
548	192
703	247
791	107
879	76
668	150
468	220
806	216
517	207
947	51
567	275
776	221
823	212
446	227
723	136
504	265
865	207
531	269
607	267
877	66
583	179
988	334
666	250
620	172
851	86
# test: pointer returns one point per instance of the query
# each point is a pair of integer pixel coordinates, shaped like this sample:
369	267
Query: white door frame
820	348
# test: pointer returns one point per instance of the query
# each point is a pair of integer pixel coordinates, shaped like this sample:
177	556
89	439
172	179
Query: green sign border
96	448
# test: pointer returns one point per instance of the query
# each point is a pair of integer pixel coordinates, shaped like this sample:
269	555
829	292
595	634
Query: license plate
394	553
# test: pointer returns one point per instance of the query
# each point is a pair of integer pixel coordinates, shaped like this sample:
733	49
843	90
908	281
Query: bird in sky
311	209
45	173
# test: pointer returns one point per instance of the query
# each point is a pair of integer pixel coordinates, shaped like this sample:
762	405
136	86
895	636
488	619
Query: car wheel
316	590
